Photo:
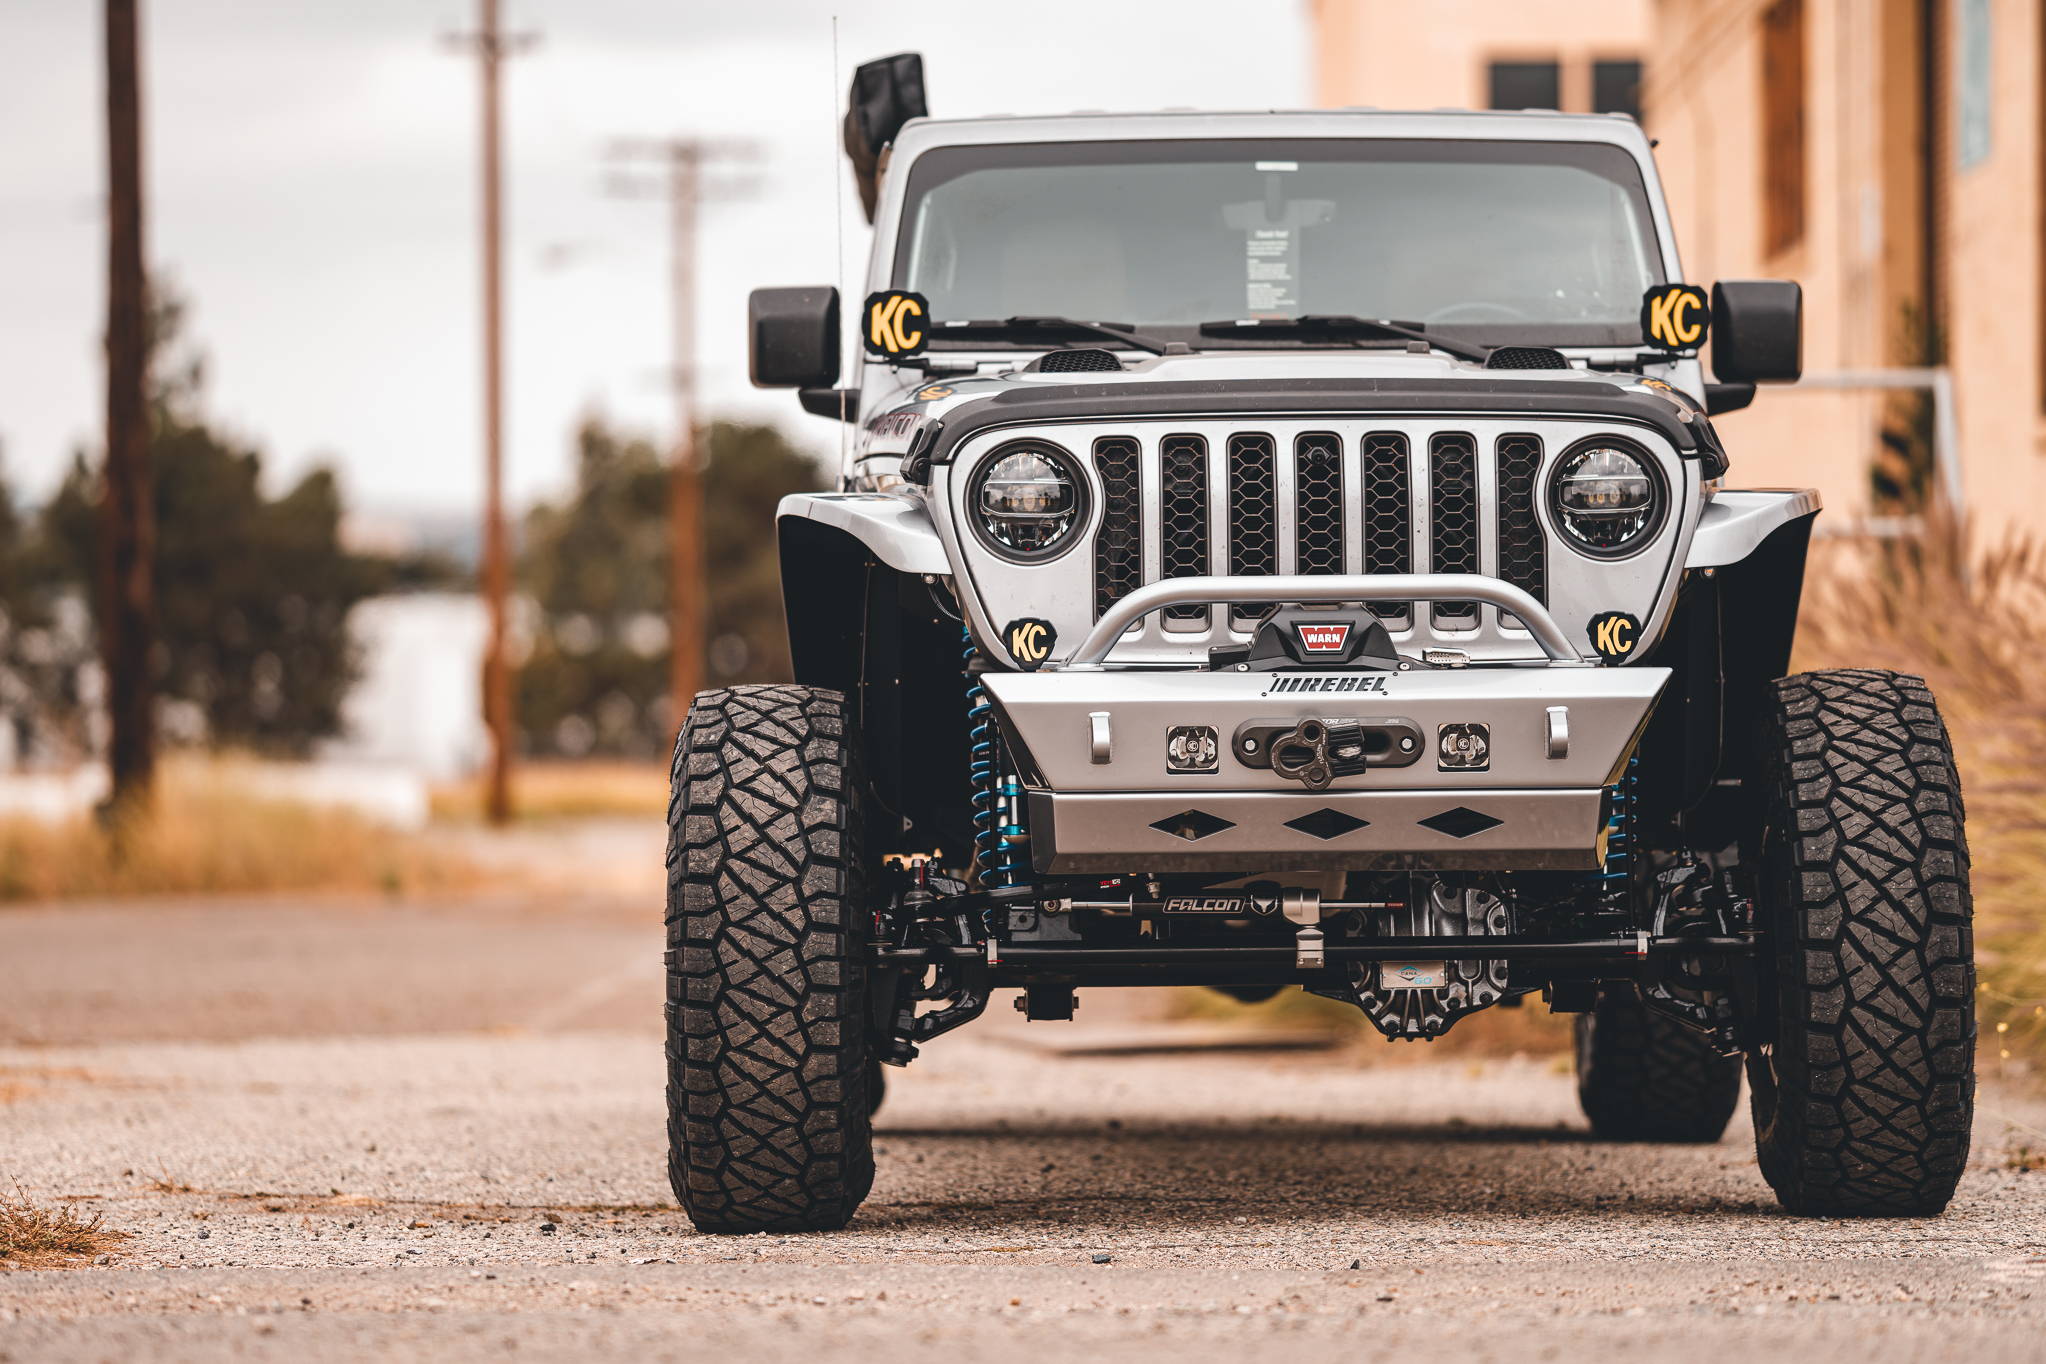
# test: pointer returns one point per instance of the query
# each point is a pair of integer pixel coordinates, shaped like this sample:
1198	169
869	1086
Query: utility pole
682	160
127	507
491	46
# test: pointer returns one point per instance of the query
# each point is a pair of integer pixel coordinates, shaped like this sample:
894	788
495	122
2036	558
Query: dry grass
566	790
34	1237
1979	638
208	833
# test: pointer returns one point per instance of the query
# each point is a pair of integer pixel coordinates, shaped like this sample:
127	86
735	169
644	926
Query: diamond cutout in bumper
1326	824
1461	822
1192	825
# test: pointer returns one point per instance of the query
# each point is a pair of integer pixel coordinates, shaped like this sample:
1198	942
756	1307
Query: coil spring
998	849
1614	881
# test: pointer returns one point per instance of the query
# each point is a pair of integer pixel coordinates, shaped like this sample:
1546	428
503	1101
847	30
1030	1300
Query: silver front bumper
1269	831
1102	798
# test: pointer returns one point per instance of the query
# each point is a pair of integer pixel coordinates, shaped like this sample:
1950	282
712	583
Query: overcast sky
312	190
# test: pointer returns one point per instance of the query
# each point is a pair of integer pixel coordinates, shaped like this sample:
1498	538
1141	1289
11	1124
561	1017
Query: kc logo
1323	639
1675	316
1614	635
896	324
1030	641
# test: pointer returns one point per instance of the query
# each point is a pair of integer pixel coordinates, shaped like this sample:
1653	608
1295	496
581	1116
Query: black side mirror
794	337
1757	331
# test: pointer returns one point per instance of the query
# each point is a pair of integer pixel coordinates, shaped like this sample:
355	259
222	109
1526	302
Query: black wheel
768	1107
1643	1076
1864	1094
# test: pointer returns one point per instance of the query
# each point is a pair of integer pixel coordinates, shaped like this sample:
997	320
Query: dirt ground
341	1130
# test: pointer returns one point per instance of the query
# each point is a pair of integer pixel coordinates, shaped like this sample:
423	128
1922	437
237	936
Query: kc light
1607	498
1028	501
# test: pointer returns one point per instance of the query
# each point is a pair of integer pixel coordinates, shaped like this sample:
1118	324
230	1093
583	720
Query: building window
1973	53
1616	88
1526	85
1782	125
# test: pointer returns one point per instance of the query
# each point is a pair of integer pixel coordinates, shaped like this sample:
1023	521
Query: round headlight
1028	501
1607	498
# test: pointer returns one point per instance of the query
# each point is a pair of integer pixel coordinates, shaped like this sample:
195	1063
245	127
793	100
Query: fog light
1466	748
1192	748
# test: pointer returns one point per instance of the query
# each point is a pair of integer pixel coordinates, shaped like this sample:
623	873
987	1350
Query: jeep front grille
1246	504
1388	517
1318	499
1119	548
1183	549
1523	555
1253	516
1453	504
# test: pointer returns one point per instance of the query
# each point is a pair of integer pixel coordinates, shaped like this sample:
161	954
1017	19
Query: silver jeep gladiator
1293	550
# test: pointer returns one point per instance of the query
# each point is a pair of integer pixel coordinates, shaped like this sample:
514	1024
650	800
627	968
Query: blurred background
312	193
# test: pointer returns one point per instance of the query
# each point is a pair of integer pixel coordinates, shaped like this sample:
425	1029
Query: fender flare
1735	523
896	529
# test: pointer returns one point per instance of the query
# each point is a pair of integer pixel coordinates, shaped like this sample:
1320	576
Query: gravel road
346	1130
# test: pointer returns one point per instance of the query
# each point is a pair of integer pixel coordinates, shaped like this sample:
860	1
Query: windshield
1494	241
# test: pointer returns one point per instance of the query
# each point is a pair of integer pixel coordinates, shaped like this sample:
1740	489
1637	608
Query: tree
252	593
596	567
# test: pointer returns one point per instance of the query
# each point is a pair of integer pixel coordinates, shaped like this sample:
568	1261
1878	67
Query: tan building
1888	154
1480	54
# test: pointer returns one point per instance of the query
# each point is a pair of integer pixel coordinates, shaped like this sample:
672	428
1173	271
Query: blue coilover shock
1613	882
998	848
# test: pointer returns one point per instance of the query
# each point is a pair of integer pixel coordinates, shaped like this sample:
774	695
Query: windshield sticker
1674	317
1272	272
897	324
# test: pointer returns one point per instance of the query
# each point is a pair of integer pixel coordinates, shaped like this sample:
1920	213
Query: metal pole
496	667
1946	430
127	507
688	564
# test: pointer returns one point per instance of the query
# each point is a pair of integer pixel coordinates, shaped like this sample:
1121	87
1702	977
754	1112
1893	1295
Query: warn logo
1323	639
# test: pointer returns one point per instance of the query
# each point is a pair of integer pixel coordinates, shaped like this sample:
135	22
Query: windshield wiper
1009	326
1341	326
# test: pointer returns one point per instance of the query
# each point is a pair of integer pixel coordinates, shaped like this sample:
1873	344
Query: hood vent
1526	357
1089	358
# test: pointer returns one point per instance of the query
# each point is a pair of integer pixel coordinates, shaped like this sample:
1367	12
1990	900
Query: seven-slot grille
1331	480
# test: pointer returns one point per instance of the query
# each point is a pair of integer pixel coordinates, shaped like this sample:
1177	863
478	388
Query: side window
1525	85
1616	88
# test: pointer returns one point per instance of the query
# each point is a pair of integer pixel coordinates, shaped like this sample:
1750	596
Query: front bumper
1103	798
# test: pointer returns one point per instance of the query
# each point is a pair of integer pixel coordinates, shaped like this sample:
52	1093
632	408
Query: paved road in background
341	1130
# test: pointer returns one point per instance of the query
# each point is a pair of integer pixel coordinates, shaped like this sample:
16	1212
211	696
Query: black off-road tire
1864	1096
1643	1076
768	1110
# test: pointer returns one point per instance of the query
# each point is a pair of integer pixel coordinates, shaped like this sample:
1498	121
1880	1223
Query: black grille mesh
1523	558
1526	357
1080	359
1453	512
1318	501
1385	472
1183	536
1253	513
1388	514
1119	546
